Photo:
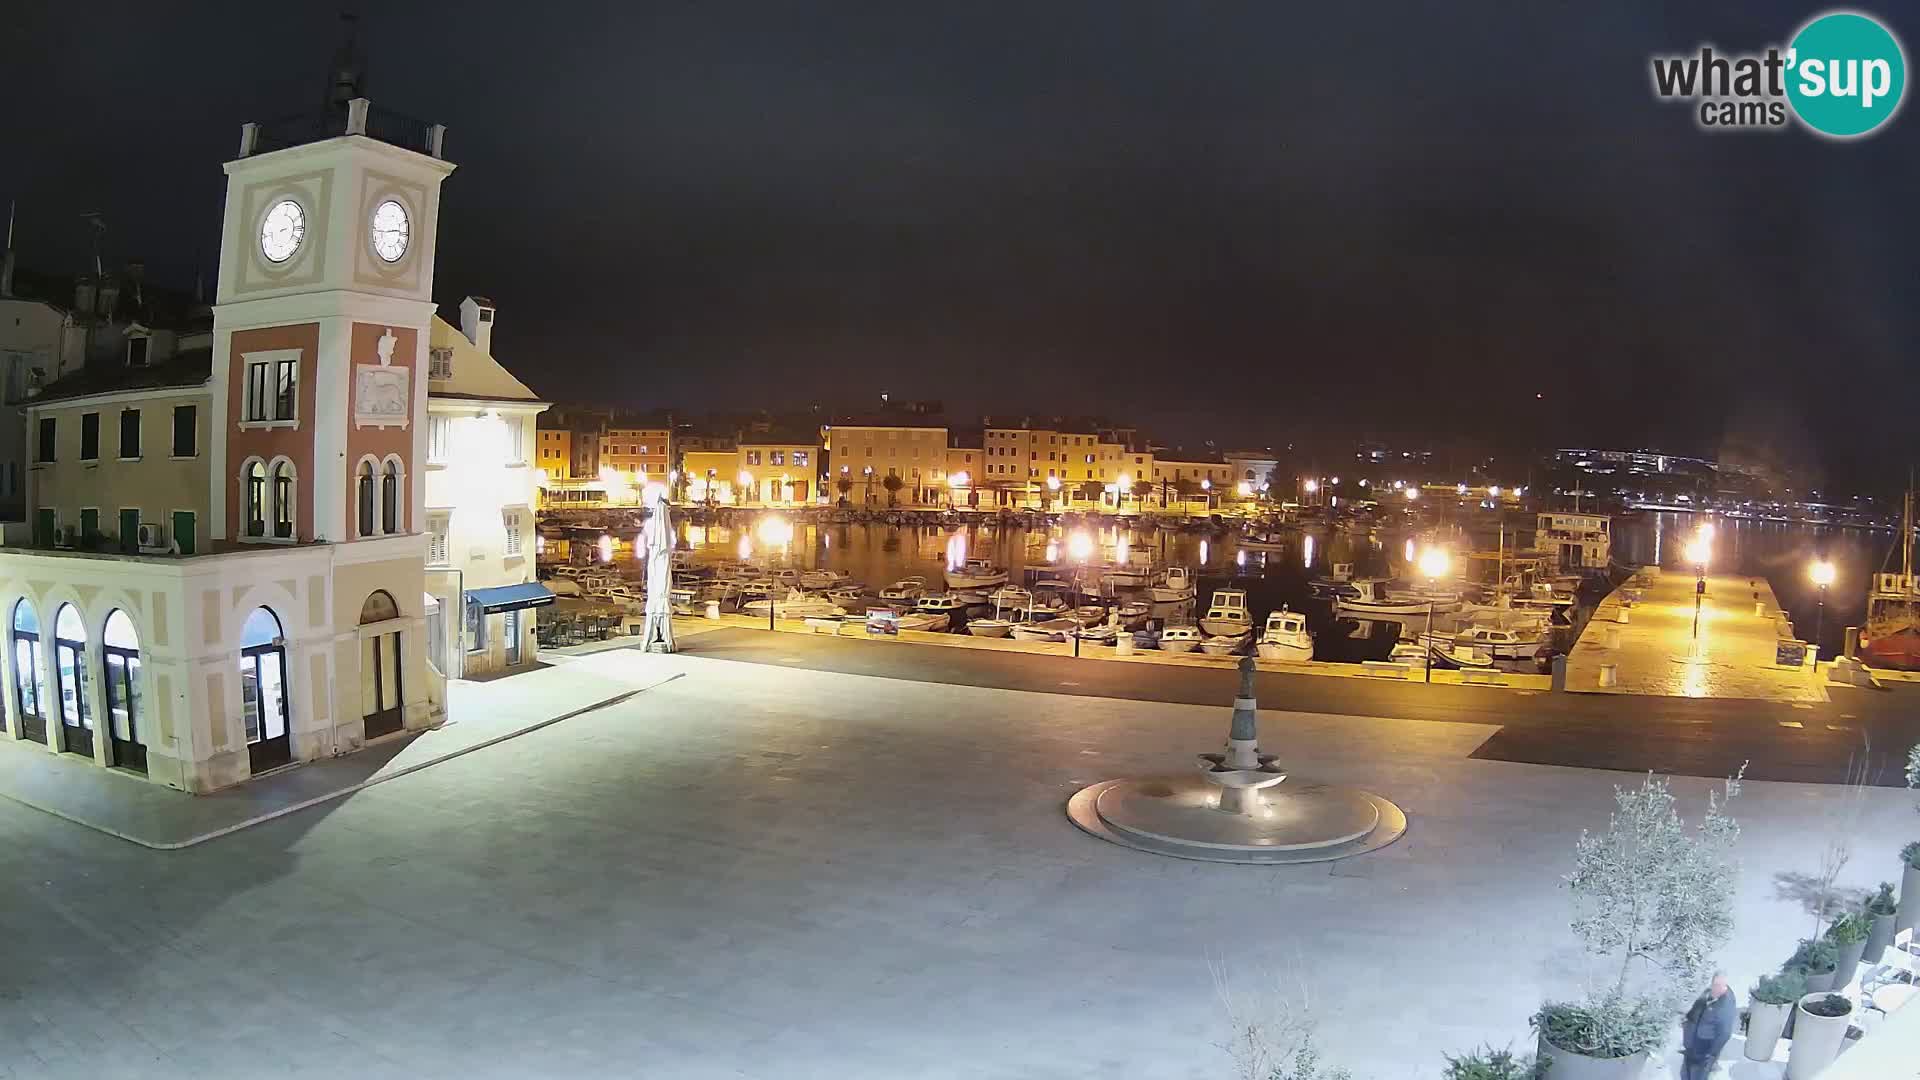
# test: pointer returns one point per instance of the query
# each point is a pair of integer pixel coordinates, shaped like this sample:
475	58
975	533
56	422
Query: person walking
1706	1029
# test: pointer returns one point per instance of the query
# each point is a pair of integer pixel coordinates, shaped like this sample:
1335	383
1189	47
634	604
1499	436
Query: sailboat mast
1906	531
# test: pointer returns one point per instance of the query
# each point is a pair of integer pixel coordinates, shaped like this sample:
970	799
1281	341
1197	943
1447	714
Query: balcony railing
361	117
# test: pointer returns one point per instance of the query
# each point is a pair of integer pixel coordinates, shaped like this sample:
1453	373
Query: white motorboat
1044	630
1100	634
1011	598
930	622
1285	637
785	578
1410	654
1371	598
1223	644
944	604
1175	586
823	580
1134	573
976	574
1133	614
905	591
846	594
797	605
1227	613
1502	643
1337	583
1179	639
991	628
1088	614
757	589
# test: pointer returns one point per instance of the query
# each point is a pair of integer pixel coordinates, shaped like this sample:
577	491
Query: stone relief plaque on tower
380	391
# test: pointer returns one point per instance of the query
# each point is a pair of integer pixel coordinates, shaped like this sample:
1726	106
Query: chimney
476	321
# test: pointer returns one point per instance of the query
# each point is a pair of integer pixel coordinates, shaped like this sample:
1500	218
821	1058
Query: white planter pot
1879	939
1909	899
1764	1025
1567	1065
1816	1040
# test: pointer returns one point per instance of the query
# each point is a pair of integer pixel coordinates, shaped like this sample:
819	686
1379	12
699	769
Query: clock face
282	230
390	230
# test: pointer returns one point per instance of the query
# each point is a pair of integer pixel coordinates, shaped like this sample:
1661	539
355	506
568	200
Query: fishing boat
945	605
1174	586
1099	633
926	621
976	574
905	591
1337	583
1136	572
1180	639
999	626
1370	597
995	627
1227	613
823	579
1261	538
1285	637
1502	643
797	605
1044	630
1891	636
1448	655
1133	614
1010	597
757	589
1224	644
1088	614
846	595
1410	654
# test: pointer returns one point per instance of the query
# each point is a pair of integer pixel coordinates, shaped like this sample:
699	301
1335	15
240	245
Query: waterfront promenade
1656	651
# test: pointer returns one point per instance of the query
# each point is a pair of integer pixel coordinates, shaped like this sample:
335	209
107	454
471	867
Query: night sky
1257	222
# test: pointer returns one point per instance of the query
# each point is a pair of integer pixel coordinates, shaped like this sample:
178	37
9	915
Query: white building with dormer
481	490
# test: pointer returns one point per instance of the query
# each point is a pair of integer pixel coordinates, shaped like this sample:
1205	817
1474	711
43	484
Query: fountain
1239	806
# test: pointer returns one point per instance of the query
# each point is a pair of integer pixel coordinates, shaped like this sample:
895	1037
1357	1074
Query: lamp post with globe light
1053	492
1699	552
1434	563
1206	492
1823	574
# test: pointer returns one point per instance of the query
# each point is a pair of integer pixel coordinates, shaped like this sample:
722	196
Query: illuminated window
800	458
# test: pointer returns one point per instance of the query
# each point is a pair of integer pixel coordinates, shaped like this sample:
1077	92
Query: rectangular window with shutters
186	431
44	452
511	519
516	432
437	540
439	429
89	436
129	434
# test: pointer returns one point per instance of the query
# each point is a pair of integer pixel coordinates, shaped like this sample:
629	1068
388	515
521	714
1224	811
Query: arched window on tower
283	500
390	498
256	499
366	501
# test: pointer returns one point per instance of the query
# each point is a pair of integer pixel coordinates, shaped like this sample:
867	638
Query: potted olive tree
1769	1004
1820	1021
1655	898
1880	909
1849	936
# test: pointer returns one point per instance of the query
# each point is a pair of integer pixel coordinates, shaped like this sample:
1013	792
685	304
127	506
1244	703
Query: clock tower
320	328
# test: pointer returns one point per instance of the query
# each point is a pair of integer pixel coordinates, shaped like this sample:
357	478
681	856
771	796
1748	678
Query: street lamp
1243	489
1699	551
1206	491
712	479
956	481
746	483
1434	564
1121	485
1822	573
1053	490
1413	494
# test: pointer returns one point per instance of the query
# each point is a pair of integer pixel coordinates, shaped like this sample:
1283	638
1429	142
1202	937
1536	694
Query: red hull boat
1899	650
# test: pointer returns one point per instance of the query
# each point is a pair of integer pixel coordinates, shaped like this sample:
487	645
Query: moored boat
1180	639
1285	637
1227	613
1174	586
976	574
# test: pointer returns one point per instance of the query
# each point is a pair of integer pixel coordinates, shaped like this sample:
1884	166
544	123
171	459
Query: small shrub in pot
1849	936
1909	883
1819	958
1881	908
1770	1004
1487	1063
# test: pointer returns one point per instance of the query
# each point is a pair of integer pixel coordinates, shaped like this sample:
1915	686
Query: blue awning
510	597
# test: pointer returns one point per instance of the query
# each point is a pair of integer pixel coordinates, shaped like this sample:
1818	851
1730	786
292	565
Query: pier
1642	640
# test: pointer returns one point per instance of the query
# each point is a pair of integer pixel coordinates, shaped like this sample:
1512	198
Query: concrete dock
1645	632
